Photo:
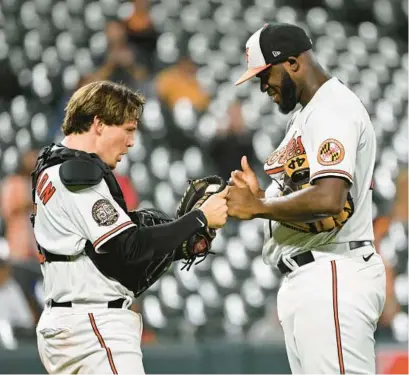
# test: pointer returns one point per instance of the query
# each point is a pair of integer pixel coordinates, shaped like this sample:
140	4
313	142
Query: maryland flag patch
330	152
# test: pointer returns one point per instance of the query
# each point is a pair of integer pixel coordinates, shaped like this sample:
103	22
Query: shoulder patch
330	152
78	174
104	213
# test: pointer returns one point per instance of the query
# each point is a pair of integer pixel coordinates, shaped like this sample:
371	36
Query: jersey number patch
296	163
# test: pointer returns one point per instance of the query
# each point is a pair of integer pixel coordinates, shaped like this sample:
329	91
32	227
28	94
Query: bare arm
325	198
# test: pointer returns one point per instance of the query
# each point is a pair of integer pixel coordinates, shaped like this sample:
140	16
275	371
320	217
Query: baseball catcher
153	227
97	256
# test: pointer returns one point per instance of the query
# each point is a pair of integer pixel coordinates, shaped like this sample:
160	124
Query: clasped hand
242	198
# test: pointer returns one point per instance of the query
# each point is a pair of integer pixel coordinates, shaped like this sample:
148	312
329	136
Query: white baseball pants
329	311
87	339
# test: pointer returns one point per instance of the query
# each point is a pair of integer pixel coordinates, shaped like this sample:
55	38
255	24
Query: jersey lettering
275	156
294	147
42	183
300	146
47	193
282	155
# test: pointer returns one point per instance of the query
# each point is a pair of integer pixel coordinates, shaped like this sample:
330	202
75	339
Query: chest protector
136	277
49	158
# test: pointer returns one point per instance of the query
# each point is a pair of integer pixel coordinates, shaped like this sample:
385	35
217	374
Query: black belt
307	257
117	304
50	257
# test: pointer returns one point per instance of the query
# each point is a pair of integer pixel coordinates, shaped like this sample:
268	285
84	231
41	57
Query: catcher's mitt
198	191
297	177
148	217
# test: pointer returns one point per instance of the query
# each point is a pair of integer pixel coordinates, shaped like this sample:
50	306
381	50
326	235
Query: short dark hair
112	103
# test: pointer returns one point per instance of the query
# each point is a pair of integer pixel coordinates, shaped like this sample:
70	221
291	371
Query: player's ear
98	125
292	64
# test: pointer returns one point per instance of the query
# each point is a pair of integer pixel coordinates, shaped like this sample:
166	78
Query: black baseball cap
273	44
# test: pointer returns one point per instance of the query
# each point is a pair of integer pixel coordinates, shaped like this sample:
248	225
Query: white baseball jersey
64	221
334	135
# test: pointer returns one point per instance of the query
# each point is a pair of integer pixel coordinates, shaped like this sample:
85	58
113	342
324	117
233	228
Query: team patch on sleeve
104	213
330	152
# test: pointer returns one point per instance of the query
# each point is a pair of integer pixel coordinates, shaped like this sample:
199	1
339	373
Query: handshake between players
236	200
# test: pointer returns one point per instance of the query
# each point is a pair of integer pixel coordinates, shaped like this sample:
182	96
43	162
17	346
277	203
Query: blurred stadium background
184	55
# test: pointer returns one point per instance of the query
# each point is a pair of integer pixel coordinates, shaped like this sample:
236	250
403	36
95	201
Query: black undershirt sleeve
146	243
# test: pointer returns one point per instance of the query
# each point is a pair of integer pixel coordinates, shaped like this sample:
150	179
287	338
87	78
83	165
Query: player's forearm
142	244
306	205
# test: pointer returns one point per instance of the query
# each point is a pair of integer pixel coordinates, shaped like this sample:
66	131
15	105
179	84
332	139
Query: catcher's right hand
215	209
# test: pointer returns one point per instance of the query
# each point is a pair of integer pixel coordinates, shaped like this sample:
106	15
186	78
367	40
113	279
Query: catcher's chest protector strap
48	158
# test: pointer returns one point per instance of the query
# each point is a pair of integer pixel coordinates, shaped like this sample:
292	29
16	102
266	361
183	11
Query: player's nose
131	141
263	86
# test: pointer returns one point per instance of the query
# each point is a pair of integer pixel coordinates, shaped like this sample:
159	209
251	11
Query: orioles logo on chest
291	156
